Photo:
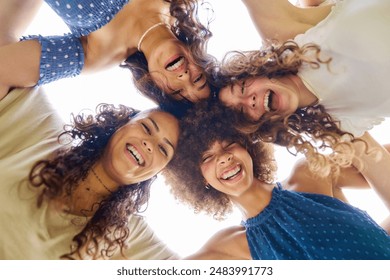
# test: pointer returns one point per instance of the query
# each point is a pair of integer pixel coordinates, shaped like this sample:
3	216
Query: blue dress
63	56
304	226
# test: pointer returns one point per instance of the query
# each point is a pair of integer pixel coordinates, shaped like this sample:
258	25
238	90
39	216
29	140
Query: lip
131	157
237	177
172	59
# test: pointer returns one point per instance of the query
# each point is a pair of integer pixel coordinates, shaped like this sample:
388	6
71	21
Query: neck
86	197
254	200
306	96
148	32
138	16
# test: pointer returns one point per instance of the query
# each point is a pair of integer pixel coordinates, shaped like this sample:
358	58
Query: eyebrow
154	124
158	129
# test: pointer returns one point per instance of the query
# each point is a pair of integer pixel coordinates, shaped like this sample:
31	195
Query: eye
206	158
146	128
243	87
230	145
163	150
198	78
176	92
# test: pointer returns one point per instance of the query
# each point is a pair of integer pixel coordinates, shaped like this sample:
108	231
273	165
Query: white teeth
266	100
176	65
136	155
231	173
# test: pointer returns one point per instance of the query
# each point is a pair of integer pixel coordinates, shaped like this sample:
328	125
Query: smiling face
227	167
172	68
256	96
143	147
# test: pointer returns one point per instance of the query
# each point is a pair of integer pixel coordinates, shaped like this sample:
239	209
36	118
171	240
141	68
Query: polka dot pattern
63	56
84	17
300	226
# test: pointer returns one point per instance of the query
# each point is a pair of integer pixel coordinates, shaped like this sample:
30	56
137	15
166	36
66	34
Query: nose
184	75
147	145
225	158
249	101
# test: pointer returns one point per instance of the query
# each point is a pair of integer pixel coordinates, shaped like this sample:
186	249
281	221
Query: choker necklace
97	177
146	33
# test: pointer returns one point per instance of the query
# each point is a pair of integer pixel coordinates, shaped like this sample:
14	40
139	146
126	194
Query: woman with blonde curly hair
78	193
296	219
318	87
339	61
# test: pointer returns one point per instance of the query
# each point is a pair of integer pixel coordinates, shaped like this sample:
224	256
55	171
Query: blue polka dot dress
63	56
304	226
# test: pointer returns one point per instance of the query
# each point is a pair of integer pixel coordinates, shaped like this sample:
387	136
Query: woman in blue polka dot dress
105	33
297	219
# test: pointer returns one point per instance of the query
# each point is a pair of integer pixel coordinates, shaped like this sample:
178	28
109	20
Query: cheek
159	162
224	98
207	172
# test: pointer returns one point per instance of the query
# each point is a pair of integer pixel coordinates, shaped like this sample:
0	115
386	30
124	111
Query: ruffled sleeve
61	57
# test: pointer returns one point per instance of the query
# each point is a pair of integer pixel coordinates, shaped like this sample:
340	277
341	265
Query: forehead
216	145
151	113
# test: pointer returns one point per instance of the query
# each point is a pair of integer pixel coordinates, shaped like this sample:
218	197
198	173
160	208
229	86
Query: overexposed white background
177	225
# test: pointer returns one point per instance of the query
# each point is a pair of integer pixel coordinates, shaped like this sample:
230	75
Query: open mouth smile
269	97
175	64
135	154
231	173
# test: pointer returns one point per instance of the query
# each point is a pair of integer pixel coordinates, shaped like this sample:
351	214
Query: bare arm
302	179
280	20
15	16
19	65
226	244
375	171
310	3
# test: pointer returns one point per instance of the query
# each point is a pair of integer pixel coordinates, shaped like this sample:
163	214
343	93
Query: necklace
146	33
97	177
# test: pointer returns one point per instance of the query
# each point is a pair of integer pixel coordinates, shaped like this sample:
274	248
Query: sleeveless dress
355	89
305	226
63	56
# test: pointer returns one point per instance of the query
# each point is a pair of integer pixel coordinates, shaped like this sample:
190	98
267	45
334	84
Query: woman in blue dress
154	37
298	218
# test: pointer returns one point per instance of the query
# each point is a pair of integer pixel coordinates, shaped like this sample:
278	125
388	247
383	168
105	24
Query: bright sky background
182	230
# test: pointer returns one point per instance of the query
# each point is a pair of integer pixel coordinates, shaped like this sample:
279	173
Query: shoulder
229	243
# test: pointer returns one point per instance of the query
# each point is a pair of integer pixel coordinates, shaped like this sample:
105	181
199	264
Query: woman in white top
352	87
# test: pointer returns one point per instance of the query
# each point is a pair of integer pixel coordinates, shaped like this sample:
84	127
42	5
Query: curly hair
84	143
310	129
272	60
189	30
203	125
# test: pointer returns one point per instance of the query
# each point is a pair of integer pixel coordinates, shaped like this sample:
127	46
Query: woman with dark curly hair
77	193
296	219
163	42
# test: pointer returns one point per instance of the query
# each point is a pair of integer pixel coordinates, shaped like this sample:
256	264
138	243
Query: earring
207	186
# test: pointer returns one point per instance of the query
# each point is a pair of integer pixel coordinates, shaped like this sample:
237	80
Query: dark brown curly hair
203	125
310	129
84	143
189	30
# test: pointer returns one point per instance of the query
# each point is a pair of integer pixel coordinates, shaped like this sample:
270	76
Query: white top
29	127
355	90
